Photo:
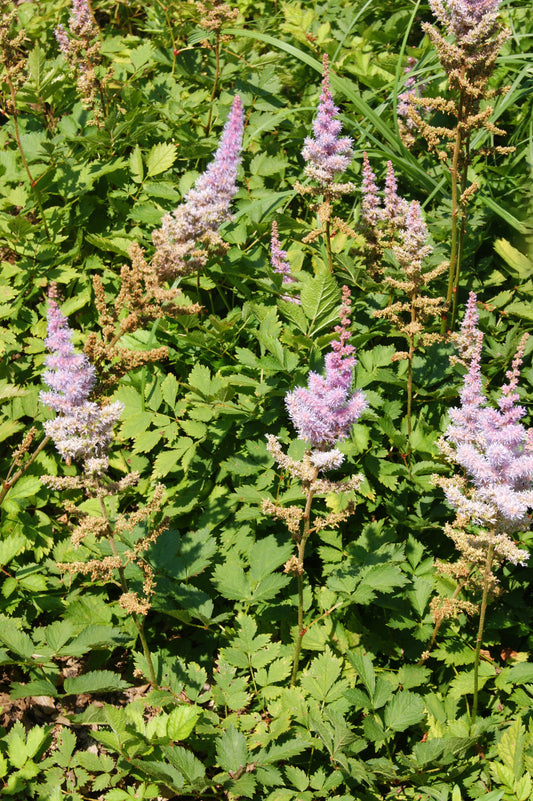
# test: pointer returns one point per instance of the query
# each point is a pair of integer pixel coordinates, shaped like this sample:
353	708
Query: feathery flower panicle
371	201
327	154
471	21
325	411
280	263
494	449
206	206
81	429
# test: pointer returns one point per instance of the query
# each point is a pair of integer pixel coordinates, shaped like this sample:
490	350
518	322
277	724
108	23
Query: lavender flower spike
492	447
327	155
206	206
279	262
81	429
325	411
371	202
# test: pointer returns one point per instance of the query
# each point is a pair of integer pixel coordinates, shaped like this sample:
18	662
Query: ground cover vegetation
266	467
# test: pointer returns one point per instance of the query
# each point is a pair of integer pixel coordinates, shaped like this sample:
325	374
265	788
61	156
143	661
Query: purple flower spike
206	206
327	154
81	429
372	211
325	411
279	262
470	20
491	445
70	375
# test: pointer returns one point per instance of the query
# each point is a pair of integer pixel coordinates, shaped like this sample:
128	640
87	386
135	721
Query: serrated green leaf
511	748
365	669
160	158
181	721
319	297
96	681
58	633
11	547
135	163
404	710
232	750
35	687
185	761
18	642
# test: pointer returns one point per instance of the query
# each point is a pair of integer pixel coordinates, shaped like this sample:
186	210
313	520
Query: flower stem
33	183
10	481
454	265
482	613
137	619
299	573
215	83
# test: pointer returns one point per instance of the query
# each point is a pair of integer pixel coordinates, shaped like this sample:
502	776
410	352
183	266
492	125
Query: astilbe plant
81	48
468	45
280	263
493	491
82	430
399	226
188	234
141	300
327	155
214	15
323	414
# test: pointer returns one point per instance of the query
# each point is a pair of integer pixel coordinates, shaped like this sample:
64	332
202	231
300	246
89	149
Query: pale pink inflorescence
205	207
81	430
328	154
471	21
81	26
325	411
395	209
280	263
492	446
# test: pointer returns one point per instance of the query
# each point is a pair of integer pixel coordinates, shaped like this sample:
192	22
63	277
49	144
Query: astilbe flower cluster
82	429
186	235
324	412
406	101
400	227
141	300
493	492
280	263
80	46
327	154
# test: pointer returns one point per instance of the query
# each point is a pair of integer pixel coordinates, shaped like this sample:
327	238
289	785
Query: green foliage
369	716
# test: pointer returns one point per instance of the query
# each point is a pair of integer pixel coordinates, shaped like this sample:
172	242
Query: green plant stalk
411	341
482	613
300	569
461	236
33	183
215	83
454	266
139	625
9	482
438	624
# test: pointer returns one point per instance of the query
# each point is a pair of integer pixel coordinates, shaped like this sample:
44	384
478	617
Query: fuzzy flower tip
325	411
327	154
491	445
81	429
471	21
280	263
207	205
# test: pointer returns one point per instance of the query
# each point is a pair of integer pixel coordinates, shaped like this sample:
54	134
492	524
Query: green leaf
160	158
404	710
321	679
231	582
58	633
511	748
16	641
365	669
11	547
181	721
232	751
266	555
517	261
36	687
319	297
135	162
184	761
96	681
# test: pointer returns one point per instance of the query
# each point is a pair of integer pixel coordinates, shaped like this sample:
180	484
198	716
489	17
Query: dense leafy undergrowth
170	641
